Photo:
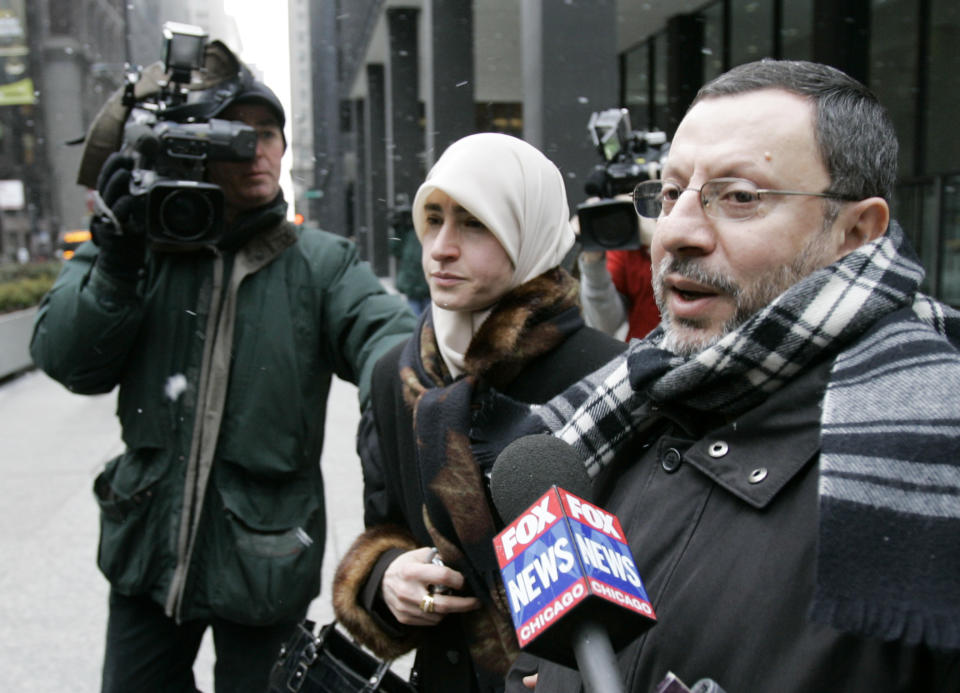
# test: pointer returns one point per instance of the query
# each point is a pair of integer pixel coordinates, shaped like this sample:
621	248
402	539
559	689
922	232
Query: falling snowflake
176	385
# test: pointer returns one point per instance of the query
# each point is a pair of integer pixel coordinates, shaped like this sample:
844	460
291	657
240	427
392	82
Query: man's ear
862	222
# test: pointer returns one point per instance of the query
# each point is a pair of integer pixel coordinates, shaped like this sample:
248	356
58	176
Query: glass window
893	69
914	205
661	114
751	30
636	88
942	146
712	41
796	30
950	262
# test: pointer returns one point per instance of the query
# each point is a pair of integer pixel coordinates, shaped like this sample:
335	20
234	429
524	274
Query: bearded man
782	451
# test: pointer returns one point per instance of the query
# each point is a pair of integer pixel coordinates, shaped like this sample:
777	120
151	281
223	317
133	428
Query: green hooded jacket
405	246
224	362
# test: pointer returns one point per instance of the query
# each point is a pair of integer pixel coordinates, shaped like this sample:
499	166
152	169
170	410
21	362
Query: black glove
117	225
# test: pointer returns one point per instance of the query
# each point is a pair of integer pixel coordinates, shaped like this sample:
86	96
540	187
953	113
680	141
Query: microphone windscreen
529	466
595	183
144	140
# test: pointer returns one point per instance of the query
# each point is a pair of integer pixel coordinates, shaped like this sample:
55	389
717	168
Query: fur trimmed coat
428	488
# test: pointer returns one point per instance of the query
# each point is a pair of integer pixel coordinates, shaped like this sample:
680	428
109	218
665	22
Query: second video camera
629	157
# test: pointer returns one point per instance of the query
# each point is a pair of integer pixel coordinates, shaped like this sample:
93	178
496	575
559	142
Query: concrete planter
15	331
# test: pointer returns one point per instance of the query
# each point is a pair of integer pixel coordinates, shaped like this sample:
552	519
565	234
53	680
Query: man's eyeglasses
721	198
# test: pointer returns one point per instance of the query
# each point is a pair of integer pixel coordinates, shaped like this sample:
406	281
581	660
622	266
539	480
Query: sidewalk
53	605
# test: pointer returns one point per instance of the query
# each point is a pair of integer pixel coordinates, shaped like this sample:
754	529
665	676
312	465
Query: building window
950	262
914	205
913	70
796	29
751	30
894	37
942	146
661	90
645	84
713	41
636	90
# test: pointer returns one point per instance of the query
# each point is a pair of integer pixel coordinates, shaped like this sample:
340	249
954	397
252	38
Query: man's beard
686	336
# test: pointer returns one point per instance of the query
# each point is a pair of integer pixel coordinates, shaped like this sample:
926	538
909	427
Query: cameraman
616	287
213	516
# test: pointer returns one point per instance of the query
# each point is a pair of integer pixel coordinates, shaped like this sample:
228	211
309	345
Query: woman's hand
408	588
530	681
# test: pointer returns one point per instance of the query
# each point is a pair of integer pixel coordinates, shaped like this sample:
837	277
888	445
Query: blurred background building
380	87
400	80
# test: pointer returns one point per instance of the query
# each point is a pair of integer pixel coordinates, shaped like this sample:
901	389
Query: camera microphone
528	467
596	182
144	141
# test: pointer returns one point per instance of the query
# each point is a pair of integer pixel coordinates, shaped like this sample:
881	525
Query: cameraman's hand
591	257
117	225
411	577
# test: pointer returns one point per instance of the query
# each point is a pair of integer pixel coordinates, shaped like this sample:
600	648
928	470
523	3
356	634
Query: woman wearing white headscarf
493	220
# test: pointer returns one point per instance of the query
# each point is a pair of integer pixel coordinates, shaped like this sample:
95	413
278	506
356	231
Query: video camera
171	139
629	157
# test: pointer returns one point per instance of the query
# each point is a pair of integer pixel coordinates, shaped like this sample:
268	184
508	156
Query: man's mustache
692	269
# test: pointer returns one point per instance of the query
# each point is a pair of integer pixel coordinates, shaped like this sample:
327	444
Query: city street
53	605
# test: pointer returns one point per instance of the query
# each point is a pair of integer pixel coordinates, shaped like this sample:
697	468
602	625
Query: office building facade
396	81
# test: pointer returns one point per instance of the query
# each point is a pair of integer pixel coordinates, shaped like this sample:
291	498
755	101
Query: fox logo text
528	527
593	516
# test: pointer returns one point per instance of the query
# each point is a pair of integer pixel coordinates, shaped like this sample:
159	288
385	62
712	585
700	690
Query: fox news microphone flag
561	560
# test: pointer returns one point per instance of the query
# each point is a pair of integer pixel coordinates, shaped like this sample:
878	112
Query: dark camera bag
331	662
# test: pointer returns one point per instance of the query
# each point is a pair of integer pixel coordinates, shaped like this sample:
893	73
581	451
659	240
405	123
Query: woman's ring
426	604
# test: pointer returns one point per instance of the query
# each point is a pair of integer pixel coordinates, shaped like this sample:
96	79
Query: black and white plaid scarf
888	554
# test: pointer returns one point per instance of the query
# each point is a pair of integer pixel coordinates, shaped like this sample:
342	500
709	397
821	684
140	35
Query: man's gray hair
855	135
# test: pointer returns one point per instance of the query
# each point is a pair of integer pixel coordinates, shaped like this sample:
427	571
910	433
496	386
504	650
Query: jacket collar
248	224
757	454
265	246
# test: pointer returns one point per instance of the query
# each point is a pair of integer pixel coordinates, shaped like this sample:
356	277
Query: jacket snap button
718	449
671	460
757	475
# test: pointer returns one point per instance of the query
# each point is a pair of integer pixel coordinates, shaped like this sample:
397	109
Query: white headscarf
519	195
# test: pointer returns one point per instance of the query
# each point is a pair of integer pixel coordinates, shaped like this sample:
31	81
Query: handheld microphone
574	591
528	467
